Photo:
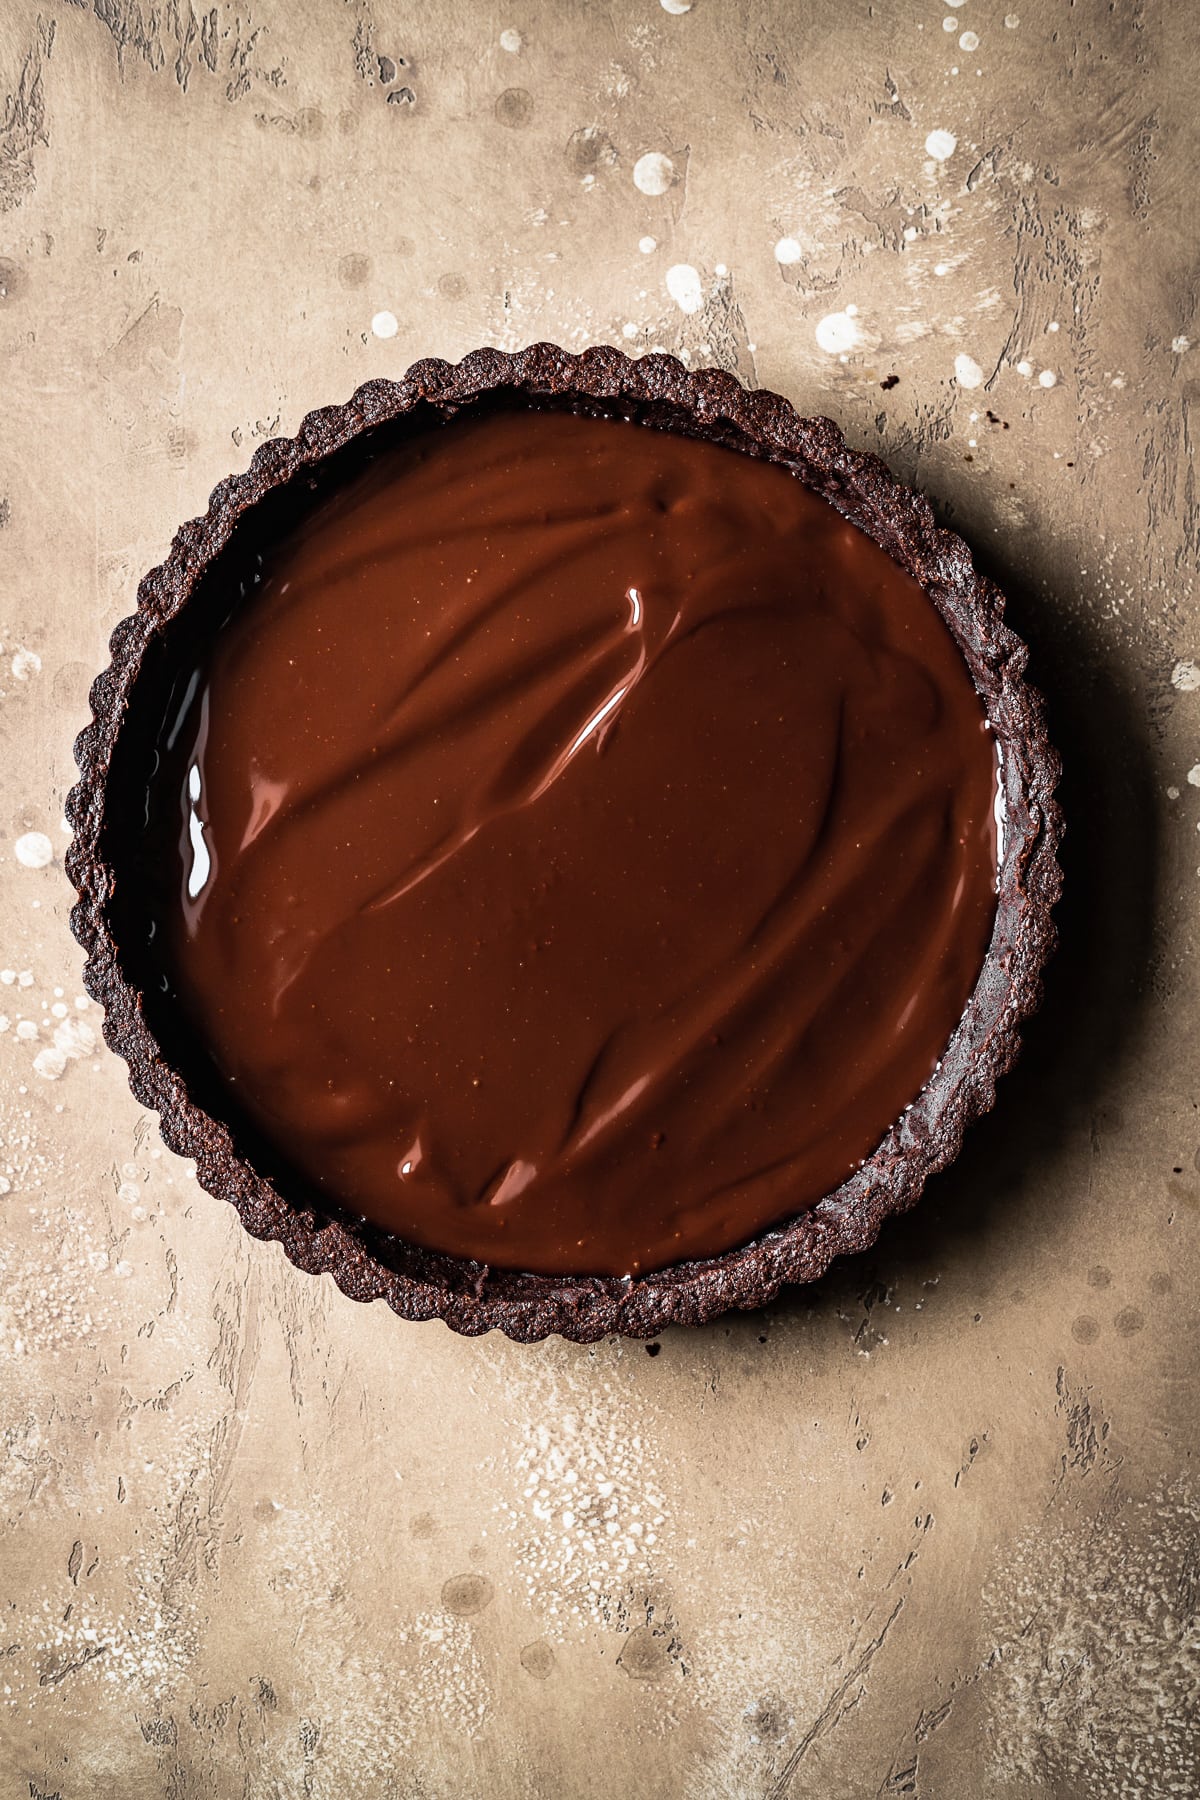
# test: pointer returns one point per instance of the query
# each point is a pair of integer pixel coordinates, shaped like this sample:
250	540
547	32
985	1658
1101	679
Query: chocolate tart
152	652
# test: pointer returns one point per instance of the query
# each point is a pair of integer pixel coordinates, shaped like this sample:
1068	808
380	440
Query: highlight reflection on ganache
588	845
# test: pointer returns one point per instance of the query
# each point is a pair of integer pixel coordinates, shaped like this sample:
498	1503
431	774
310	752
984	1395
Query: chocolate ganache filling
587	844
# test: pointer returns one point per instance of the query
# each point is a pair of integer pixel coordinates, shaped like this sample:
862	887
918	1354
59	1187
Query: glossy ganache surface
586	844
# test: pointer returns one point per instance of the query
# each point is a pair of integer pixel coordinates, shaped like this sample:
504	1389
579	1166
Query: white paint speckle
1025	368
950	24
941	145
588	1509
941	268
27	662
1084	1628
33	850
969	41
512	41
1011	21
1047	379
1186	677
1172	793
677	7
1180	345
72	1041
384	325
653	173
1193	775
788	251
683	285
839	332
647	244
967	371
629	329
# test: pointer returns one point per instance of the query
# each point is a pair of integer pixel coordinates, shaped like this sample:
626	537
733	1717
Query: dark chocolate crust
471	1297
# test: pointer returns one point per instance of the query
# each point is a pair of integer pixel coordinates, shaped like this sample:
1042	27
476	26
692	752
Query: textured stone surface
930	1528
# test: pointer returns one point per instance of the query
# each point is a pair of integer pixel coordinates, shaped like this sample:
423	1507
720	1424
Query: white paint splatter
967	371
941	145
27	662
969	41
677	7
1047	379
949	24
788	251
384	325
1011	21
1025	368
1094	1657
629	329
647	244
72	1040
1193	775
33	850
653	173
512	41
1186	677
838	333
684	287
1181	345
588	1511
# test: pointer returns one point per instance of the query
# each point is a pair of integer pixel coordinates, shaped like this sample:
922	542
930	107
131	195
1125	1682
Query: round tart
565	844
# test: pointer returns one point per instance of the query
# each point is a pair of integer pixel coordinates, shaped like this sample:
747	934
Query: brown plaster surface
929	1528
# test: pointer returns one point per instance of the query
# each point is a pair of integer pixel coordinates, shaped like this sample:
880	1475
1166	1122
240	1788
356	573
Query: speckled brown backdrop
932	1529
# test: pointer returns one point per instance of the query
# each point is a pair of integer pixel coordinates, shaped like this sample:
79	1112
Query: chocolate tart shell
471	1297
